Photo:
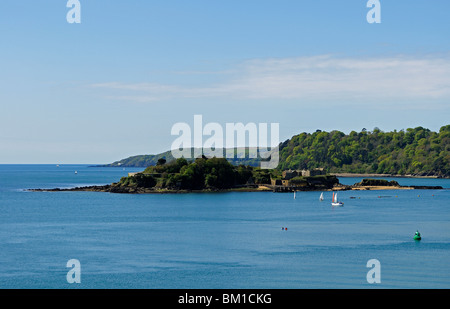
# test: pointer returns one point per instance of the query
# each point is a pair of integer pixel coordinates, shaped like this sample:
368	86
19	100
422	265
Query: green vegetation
142	160
378	182
151	160
328	181
320	181
139	180
417	151
202	174
210	174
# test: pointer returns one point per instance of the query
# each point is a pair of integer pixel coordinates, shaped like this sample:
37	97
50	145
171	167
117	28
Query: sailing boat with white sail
335	202
321	197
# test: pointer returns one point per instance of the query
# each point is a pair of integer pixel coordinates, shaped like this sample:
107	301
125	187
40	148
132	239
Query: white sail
335	202
321	197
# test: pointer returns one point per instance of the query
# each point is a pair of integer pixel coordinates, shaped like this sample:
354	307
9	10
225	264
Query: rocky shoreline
366	184
130	190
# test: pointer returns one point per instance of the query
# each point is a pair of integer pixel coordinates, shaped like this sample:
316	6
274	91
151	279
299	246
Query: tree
410	151
161	161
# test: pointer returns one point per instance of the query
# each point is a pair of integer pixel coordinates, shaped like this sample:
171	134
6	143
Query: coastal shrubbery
139	180
299	181
326	181
378	182
203	173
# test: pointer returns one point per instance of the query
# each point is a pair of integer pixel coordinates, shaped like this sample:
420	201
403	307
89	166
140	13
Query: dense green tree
414	151
161	161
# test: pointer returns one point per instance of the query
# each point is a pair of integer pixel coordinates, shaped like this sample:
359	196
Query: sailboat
335	202
321	197
294	195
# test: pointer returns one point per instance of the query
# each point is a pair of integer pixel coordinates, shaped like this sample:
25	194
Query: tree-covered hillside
417	151
151	160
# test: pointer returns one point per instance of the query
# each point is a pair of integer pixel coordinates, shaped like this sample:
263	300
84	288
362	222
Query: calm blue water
222	240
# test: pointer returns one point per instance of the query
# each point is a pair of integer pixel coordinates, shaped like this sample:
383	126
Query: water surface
216	240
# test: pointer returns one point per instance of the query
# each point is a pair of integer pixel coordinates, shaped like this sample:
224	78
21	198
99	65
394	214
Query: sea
235	240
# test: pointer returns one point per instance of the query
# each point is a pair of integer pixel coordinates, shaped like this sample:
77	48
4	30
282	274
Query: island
218	175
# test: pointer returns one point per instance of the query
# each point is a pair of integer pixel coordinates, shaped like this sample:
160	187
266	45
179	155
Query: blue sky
114	85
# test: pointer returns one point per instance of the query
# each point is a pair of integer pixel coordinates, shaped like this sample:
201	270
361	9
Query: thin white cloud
318	78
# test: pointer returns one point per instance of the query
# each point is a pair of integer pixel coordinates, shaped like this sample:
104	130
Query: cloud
322	78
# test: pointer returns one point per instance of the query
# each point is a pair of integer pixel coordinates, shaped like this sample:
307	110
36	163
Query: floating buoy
417	236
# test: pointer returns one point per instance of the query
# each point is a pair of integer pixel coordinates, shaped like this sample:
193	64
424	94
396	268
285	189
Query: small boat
417	236
76	172
335	202
294	195
321	197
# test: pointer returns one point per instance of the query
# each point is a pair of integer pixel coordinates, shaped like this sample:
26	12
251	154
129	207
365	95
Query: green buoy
417	236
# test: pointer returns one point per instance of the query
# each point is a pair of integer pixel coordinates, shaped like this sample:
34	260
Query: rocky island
219	175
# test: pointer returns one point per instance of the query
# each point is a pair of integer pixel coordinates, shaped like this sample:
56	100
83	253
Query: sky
115	84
